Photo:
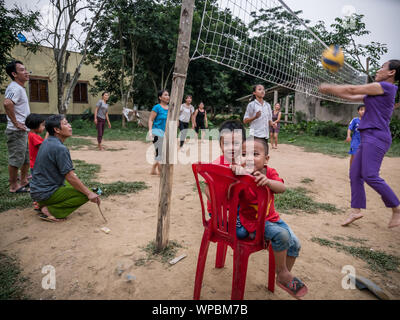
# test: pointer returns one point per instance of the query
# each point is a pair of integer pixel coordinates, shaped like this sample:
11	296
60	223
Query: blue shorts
353	151
354	147
282	238
279	233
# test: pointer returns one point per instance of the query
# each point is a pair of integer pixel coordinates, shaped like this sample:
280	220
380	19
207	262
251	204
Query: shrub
395	128
317	128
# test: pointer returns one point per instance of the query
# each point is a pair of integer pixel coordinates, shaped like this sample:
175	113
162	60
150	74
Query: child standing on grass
285	244
35	122
100	117
353	128
259	114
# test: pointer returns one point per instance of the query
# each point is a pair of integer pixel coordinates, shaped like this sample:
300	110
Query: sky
381	17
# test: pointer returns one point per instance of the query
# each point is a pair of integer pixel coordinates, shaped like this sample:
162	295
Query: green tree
135	40
345	32
12	22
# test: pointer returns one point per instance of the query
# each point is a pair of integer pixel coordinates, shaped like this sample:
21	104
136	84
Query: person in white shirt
259	114
16	106
185	115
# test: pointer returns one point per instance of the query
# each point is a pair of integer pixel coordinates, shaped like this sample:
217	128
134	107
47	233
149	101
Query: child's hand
238	170
261	179
348	139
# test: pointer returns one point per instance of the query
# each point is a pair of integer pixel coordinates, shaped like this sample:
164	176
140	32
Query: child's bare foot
354	215
395	221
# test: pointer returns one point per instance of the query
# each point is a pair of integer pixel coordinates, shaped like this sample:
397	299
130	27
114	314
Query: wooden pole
169	145
275	98
286	108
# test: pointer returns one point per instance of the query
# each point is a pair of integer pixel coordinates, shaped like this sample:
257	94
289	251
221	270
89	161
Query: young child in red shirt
35	122
231	136
284	243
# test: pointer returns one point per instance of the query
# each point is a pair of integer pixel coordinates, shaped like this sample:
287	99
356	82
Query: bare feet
395	222
355	215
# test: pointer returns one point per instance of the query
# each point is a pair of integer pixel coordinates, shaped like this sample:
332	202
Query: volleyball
332	58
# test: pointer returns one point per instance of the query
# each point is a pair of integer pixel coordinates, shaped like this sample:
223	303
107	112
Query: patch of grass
202	186
377	260
86	172
114	149
326	145
77	143
296	199
165	255
307	180
120	187
350	239
12	285
357	240
131	132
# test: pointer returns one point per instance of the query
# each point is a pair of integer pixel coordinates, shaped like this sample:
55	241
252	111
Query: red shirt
34	142
248	205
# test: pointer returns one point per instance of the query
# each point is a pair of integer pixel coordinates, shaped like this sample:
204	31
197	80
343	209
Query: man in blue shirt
57	199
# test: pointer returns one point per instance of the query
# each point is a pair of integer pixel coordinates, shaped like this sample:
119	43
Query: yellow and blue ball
332	58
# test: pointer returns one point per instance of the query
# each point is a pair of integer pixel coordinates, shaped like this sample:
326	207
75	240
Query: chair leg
201	262
221	255
271	271
240	262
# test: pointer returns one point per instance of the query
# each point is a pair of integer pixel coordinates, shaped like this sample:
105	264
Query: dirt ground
86	260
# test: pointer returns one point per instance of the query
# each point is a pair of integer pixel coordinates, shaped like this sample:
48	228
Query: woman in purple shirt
379	100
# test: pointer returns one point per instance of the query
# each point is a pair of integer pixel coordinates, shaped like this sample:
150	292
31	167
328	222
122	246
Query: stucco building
42	86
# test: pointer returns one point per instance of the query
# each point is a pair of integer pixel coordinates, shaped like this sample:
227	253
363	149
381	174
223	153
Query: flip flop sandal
46	218
295	288
21	190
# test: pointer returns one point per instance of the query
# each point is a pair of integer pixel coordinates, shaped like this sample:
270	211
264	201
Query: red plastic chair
224	188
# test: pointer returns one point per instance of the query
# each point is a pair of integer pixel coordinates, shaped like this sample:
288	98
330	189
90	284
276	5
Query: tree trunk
62	57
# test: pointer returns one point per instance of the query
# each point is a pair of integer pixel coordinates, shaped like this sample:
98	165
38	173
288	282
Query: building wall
313	110
311	106
42	64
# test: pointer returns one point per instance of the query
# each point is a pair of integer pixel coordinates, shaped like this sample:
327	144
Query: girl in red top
35	122
284	243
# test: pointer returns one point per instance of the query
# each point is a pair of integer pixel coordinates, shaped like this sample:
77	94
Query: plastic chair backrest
224	188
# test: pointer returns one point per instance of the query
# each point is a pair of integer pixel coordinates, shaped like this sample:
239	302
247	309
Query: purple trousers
365	168
100	129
